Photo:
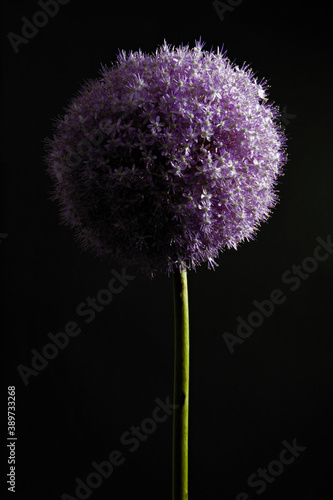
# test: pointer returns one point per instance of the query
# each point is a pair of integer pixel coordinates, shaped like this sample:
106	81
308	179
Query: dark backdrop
274	390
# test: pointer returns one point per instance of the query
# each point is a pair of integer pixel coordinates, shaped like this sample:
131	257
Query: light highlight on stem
181	387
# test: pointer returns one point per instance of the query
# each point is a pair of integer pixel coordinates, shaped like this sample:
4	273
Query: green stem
181	387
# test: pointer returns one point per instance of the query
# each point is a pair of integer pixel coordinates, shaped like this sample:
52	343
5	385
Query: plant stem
181	387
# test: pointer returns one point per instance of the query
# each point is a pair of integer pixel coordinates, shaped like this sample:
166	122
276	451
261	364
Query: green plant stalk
181	387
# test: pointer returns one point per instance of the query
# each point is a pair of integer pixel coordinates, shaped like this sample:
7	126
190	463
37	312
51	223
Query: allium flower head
167	159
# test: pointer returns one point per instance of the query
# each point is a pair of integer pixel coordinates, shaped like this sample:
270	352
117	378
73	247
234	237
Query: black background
277	385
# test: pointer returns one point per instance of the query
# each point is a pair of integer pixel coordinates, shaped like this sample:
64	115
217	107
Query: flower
167	159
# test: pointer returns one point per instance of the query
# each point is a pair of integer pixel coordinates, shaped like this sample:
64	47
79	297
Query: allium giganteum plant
160	164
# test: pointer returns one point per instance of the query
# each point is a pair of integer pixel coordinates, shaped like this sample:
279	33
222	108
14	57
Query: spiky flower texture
167	159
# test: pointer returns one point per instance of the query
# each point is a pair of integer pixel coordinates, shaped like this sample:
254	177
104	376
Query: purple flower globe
167	159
